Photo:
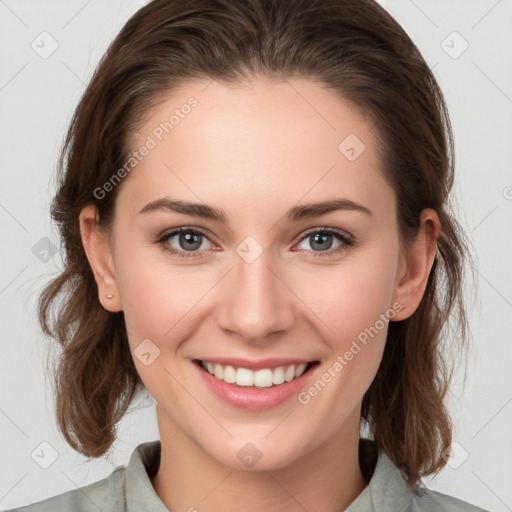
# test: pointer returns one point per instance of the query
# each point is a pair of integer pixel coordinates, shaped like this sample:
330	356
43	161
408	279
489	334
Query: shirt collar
386	492
139	491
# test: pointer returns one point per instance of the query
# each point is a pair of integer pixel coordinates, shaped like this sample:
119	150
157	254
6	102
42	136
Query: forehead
257	145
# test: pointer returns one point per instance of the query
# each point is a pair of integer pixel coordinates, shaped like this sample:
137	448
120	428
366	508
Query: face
260	283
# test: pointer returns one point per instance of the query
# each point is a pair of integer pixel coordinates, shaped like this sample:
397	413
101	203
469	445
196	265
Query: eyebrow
294	214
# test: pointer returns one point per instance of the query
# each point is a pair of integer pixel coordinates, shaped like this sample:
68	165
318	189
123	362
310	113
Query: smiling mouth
259	379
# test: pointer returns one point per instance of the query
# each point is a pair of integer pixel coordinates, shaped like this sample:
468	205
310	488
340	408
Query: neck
327	478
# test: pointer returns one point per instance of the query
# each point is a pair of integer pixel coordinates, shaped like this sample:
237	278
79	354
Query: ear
97	249
416	264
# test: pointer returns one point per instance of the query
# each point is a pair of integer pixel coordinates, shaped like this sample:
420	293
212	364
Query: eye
321	239
186	242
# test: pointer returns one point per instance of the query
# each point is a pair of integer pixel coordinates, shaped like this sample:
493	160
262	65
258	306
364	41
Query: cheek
360	308
349	299
156	300
155	296
158	305
352	313
353	316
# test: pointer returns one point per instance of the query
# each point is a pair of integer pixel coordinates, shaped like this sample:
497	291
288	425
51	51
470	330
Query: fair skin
255	152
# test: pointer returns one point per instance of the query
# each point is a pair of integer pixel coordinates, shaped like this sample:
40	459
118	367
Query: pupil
190	238
322	237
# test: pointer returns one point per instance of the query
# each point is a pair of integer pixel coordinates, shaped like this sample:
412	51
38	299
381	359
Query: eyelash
347	242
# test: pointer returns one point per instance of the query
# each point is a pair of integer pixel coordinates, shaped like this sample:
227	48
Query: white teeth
300	370
244	377
278	375
289	374
229	374
264	378
219	371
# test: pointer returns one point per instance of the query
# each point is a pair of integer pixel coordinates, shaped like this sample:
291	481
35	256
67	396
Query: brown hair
351	46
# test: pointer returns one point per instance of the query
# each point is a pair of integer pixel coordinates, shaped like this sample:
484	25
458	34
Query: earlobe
97	250
416	265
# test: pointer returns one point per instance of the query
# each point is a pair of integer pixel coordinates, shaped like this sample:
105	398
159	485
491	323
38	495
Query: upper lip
274	362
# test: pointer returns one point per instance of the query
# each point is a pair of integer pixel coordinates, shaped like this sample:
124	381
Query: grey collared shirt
129	489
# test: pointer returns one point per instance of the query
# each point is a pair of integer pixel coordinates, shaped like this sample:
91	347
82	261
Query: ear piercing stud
109	296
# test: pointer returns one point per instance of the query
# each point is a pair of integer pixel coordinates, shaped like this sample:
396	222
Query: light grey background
38	93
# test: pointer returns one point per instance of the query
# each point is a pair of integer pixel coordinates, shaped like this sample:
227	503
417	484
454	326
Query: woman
218	147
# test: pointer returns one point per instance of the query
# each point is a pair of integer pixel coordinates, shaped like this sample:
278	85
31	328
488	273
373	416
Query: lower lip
255	399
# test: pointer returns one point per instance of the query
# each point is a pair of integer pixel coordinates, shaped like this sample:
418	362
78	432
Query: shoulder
106	495
387	490
433	501
126	488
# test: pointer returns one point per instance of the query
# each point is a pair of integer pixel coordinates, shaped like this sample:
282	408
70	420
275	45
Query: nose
255	300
